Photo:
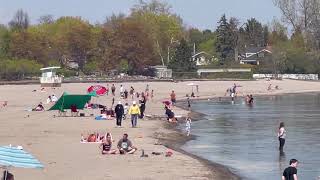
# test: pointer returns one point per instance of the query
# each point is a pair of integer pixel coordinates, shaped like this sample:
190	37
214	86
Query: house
202	58
162	71
254	55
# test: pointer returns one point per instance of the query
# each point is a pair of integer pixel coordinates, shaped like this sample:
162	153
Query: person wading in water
281	136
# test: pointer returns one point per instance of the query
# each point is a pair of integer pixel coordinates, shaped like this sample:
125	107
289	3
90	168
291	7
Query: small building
162	71
202	58
254	55
49	78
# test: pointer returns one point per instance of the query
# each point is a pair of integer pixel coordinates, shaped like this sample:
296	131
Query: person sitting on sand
49	100
39	107
7	175
5	103
106	145
74	111
170	114
54	98
110	113
125	145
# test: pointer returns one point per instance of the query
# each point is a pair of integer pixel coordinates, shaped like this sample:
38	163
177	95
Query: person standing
173	97
125	94
281	136
134	111
189	103
112	102
188	125
119	110
113	90
131	92
290	173
121	90
142	102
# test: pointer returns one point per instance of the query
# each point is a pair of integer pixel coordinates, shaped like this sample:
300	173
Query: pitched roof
202	52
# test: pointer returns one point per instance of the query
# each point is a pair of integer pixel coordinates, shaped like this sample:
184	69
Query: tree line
152	34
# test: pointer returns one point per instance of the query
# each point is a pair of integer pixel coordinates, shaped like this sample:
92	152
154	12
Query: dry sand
56	141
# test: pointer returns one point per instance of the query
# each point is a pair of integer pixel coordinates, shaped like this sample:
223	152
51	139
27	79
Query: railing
51	80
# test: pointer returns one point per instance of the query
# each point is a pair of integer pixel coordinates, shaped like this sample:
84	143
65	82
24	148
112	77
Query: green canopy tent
66	100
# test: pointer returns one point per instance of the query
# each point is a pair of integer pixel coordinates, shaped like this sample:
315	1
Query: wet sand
56	141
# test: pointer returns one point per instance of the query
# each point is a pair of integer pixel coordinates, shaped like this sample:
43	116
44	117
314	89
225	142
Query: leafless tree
20	20
46	19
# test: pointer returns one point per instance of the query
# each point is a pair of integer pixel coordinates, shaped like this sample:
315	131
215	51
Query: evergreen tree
182	59
224	44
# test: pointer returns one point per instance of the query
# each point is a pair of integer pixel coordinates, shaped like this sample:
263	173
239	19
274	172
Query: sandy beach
55	141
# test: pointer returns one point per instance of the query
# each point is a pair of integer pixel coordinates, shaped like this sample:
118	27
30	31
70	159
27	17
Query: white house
203	58
254	55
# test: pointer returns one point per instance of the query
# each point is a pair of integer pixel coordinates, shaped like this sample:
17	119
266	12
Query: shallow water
244	138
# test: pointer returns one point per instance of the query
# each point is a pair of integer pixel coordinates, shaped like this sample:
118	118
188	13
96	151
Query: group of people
52	99
290	173
124	145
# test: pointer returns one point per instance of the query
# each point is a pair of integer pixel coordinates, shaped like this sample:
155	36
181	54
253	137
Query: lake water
244	138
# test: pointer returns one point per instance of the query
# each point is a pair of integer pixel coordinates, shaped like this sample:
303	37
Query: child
188	125
126	107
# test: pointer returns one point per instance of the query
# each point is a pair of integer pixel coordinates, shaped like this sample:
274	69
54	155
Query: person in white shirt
281	136
54	98
188	125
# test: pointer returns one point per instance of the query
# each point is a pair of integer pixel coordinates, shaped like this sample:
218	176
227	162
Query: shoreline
58	156
175	139
221	171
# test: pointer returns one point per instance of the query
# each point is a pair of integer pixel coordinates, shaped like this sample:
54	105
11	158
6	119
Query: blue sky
203	14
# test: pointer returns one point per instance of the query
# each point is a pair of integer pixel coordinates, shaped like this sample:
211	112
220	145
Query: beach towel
99	118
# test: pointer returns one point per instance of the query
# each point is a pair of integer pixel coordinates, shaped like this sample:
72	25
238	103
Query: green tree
254	33
4	41
130	42
163	26
225	41
182	60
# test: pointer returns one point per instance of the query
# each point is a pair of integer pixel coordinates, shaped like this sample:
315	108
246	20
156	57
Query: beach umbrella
17	157
100	90
166	102
12	156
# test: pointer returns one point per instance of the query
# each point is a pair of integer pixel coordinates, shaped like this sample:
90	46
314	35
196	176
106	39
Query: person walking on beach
142	103
113	90
189	103
131	92
281	136
134	111
119	110
188	125
173	97
121	90
290	173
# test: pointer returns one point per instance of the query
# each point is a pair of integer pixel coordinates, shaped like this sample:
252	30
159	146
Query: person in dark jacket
142	102
119	110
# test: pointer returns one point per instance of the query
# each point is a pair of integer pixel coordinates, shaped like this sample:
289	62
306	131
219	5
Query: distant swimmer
250	99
